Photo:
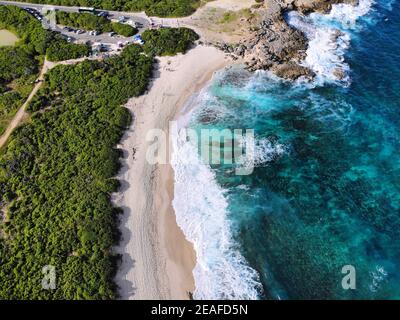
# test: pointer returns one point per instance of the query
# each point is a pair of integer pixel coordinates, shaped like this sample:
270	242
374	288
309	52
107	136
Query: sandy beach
157	260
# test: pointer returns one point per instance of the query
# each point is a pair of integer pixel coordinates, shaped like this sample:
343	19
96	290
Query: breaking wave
329	39
201	208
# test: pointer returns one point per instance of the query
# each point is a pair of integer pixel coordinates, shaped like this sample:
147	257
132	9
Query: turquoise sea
325	192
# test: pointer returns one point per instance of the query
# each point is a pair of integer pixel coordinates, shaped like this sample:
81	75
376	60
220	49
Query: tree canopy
168	41
89	21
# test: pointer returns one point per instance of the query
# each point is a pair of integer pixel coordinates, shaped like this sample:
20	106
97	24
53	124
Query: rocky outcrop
291	70
275	44
272	44
307	6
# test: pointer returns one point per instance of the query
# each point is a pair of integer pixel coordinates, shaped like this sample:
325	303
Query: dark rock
291	71
307	6
339	73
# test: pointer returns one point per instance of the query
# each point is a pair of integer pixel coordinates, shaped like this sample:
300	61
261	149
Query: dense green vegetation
11	100
56	180
59	51
162	8
123	29
88	21
16	62
168	41
18	71
20	63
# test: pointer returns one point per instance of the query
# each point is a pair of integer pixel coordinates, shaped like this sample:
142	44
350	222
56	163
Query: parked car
103	14
112	34
103	48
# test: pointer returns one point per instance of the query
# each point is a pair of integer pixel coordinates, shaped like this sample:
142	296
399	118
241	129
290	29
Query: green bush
168	41
86	21
41	100
16	62
124	29
9	102
163	8
62	50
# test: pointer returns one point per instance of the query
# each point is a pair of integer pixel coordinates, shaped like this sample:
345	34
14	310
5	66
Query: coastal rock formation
276	46
272	44
307	6
291	70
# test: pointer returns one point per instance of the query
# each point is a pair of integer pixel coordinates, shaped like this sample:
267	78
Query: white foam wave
259	152
378	276
326	49
201	209
329	39
266	151
348	15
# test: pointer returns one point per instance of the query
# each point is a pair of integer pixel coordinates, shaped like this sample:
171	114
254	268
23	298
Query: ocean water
325	190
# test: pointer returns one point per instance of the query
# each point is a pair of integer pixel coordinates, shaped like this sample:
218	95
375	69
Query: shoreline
157	260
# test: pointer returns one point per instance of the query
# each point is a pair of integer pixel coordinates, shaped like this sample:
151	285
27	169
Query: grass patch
229	17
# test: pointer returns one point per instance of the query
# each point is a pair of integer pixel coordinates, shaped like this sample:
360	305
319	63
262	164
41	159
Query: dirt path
21	113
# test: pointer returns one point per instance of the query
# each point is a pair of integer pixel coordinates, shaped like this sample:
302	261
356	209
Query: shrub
62	50
168	41
124	29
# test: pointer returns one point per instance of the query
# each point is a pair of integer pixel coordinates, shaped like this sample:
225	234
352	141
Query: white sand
157	259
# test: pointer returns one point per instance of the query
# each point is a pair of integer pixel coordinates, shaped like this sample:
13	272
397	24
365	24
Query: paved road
104	38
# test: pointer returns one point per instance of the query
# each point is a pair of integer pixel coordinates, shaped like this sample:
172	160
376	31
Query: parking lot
107	41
